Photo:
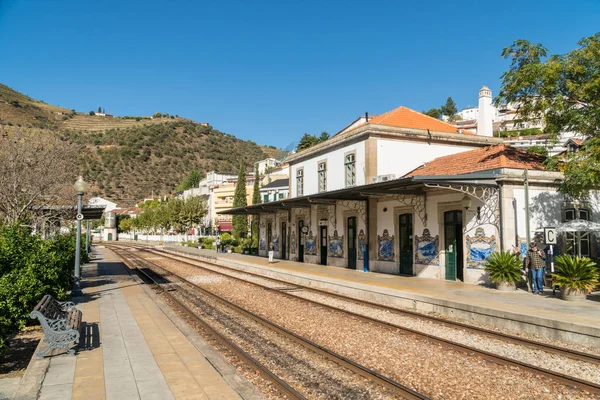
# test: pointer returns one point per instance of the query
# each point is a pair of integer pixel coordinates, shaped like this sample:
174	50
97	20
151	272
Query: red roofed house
404	193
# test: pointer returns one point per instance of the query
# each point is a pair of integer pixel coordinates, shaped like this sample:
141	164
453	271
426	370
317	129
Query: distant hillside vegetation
127	159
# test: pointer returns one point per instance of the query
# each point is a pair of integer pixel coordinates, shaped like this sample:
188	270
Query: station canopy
70	212
415	185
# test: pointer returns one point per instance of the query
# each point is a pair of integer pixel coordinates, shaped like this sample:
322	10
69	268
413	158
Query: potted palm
576	276
504	269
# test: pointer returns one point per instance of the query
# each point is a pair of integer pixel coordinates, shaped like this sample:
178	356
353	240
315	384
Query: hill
130	159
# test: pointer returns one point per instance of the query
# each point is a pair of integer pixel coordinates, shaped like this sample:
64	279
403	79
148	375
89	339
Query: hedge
31	267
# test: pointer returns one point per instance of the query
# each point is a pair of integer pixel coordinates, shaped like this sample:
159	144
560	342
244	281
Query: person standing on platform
271	252
218	244
536	260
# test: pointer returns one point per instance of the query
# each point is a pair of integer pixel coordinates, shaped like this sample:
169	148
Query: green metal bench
60	322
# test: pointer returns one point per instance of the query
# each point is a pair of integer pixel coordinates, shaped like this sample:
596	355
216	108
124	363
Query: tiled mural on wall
479	248
362	244
262	244
336	245
427	248
275	240
385	247
310	247
293	242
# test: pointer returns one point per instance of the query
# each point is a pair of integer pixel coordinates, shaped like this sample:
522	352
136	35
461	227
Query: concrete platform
133	347
518	311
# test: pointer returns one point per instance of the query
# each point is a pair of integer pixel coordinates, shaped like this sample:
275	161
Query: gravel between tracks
426	367
311	374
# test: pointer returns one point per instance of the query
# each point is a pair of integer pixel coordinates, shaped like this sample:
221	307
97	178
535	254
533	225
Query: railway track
148	270
287	289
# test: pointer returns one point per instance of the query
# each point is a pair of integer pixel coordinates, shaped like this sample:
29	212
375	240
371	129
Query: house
265	165
404	193
277	190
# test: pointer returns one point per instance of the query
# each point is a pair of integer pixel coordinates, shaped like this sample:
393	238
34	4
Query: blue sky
270	71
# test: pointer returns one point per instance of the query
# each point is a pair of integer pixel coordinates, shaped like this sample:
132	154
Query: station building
404	193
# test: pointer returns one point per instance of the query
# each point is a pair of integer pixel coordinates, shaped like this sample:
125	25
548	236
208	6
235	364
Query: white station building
404	193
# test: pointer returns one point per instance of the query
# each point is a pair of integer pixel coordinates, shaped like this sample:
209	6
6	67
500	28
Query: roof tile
404	117
490	157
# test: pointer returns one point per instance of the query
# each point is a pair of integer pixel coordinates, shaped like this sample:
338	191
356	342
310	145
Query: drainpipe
366	254
526	185
501	233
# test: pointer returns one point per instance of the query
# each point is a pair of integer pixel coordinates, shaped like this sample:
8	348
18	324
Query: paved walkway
586	313
131	349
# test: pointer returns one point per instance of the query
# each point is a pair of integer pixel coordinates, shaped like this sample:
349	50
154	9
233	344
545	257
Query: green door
109	236
300	242
453	245
351	227
405	241
324	245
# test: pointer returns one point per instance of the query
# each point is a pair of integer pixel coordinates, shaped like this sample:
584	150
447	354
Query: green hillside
127	159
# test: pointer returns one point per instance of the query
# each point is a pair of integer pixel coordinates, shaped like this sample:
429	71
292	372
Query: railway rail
287	289
148	270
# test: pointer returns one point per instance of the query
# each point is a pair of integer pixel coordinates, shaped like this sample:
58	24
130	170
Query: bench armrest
66	305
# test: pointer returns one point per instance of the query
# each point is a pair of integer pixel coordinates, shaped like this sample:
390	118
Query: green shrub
575	272
503	267
226	239
29	268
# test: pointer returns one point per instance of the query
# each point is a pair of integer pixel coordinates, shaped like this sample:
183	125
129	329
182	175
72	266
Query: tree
192	180
561	93
255	200
125	223
99	109
36	168
192	212
307	141
324	136
240	222
449	109
434	112
92	113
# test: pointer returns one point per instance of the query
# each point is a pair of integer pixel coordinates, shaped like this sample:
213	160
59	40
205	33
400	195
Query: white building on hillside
265	165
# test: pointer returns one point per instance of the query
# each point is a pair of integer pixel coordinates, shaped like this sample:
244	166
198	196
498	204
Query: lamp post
80	187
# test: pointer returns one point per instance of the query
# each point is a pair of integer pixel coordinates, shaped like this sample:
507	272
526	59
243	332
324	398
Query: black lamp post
80	187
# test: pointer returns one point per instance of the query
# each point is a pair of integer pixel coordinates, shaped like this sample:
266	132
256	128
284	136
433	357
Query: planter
570	294
505	286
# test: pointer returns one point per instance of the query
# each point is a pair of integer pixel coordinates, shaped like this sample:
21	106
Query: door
453	245
269	235
300	241
351	234
109	236
405	240
283	240
323	245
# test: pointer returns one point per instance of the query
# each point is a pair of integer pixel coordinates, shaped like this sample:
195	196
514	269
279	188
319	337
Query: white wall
400	157
335	169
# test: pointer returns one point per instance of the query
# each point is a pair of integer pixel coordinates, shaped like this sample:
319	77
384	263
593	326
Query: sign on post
550	235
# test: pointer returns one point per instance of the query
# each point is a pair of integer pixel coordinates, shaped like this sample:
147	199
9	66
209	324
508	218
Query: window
571	237
266	198
350	167
299	182
280	195
322	176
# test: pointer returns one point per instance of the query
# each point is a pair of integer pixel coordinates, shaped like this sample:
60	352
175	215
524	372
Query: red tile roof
403	117
491	157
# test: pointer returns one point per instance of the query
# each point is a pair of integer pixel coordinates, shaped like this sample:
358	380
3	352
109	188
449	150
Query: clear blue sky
271	70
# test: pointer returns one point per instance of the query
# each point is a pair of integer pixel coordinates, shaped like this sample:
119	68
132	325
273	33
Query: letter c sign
550	235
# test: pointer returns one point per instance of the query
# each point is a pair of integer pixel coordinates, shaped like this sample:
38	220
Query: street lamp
80	187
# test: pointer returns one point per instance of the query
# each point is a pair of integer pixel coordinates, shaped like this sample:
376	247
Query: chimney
486	113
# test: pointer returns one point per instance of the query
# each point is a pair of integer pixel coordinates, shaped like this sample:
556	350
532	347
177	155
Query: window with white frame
322	176
299	182
571	237
350	168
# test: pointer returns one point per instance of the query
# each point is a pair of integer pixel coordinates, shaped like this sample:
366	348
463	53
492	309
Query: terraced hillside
128	159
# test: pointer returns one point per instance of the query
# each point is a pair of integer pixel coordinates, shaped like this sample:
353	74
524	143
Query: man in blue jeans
536	261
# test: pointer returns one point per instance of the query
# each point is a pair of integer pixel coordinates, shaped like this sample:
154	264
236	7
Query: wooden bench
60	322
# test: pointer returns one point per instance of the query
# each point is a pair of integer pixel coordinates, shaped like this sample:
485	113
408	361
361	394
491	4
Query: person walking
271	252
218	244
536	260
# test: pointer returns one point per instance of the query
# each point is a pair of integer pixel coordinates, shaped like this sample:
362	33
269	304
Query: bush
226	239
574	272
29	268
503	267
